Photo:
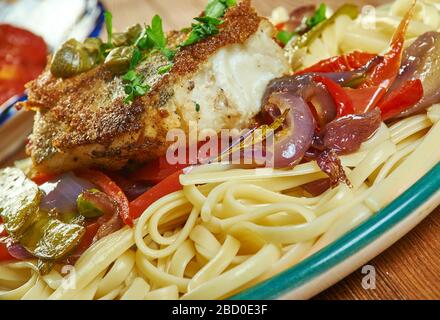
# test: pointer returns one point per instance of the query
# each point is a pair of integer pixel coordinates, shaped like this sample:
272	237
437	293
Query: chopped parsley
109	26
208	25
164	69
151	39
197	107
135	85
285	36
318	17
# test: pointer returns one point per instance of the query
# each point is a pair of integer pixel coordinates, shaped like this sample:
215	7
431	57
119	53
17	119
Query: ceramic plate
330	265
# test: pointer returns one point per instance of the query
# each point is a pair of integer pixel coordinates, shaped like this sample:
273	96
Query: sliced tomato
408	95
344	104
109	187
163	188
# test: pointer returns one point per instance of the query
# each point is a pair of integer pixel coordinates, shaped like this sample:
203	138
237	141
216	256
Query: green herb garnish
164	69
109	26
285	36
197	107
318	17
217	8
135	85
206	27
208	24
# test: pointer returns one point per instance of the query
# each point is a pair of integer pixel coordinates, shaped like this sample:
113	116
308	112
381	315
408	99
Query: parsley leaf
285	36
318	17
109	26
197	107
206	27
155	32
164	69
217	8
135	86
208	24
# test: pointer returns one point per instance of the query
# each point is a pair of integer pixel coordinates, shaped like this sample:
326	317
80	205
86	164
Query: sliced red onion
62	192
297	18
17	251
293	141
346	134
421	61
108	225
101	201
330	164
304	87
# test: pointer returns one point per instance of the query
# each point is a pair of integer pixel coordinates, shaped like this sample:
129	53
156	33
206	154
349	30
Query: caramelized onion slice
305	88
295	139
331	165
346	134
421	61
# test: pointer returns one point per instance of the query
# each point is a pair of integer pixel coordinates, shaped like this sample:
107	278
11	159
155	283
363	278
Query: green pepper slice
19	201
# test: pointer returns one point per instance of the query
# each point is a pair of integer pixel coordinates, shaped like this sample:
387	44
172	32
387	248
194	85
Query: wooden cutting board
408	270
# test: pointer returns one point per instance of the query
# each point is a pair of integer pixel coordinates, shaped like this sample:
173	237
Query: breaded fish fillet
83	121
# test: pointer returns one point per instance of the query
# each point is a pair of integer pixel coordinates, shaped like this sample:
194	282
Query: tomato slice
110	188
22	58
163	188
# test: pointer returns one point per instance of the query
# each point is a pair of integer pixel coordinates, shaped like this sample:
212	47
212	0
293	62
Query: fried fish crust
83	121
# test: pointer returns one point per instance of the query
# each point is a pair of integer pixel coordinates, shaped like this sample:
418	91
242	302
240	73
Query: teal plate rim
349	244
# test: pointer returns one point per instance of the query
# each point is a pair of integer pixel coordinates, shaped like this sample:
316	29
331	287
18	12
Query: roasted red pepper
385	72
344	105
349	62
166	186
408	95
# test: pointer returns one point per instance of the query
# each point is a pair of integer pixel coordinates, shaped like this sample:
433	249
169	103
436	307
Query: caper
118	60
120	39
73	58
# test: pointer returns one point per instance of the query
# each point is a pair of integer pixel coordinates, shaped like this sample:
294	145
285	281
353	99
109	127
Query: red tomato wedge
22	58
166	186
109	187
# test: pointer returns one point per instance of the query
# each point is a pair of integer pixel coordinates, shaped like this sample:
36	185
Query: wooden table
408	270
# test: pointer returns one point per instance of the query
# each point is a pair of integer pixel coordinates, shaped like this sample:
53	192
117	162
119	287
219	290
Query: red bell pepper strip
156	170
363	97
408	95
42	178
385	72
87	239
344	105
4	252
109	187
349	62
163	188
